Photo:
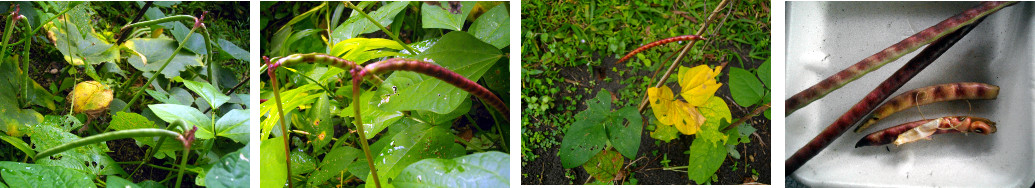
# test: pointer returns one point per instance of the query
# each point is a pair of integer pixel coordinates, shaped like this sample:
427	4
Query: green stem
378	24
151	151
183	165
25	59
359	125
208	58
159	71
161	20
283	124
7	37
41	26
114	135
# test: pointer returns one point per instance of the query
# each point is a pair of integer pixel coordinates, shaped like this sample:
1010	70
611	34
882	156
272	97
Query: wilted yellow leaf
670	111
90	97
698	84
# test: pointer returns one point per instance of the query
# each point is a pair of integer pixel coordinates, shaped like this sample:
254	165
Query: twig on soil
754	113
682	53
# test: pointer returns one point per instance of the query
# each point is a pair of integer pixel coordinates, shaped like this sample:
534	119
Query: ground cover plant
599	106
114	94
385	94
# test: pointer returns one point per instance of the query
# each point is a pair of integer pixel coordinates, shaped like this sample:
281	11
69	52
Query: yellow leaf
690	119
91	97
660	100
698	84
669	111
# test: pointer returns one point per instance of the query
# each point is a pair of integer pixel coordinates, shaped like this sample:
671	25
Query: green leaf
744	87
299	96
374	119
439	119
488	169
34	175
129	120
763	73
586	137
705	159
334	163
213	96
456	51
80	44
149	54
304	15
493	27
410	146
364	49
196	43
274	171
19	143
301	163
231	170
436	17
193	117
236	52
234	125
716	113
624	128
357	24
115	181
665	133
605	165
91	159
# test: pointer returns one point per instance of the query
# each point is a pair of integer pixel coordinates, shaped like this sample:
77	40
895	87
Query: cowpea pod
931	94
924	129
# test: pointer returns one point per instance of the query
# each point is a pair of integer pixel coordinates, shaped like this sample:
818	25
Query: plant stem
41	26
754	113
283	125
123	35
682	53
183	166
7	36
114	135
158	146
875	61
356	79
162	20
383	29
136	95
26	86
875	97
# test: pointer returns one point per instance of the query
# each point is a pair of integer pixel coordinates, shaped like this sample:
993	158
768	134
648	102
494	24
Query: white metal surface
826	37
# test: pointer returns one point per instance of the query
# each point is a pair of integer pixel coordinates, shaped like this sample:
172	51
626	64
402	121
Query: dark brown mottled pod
951	124
931	94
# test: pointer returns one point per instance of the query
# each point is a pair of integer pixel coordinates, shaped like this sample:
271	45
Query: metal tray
826	37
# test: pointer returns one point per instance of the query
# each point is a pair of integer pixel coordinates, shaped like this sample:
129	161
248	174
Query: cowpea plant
409	111
208	120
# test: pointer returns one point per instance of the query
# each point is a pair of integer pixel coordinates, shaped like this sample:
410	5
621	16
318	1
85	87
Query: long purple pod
441	73
875	97
657	43
875	61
